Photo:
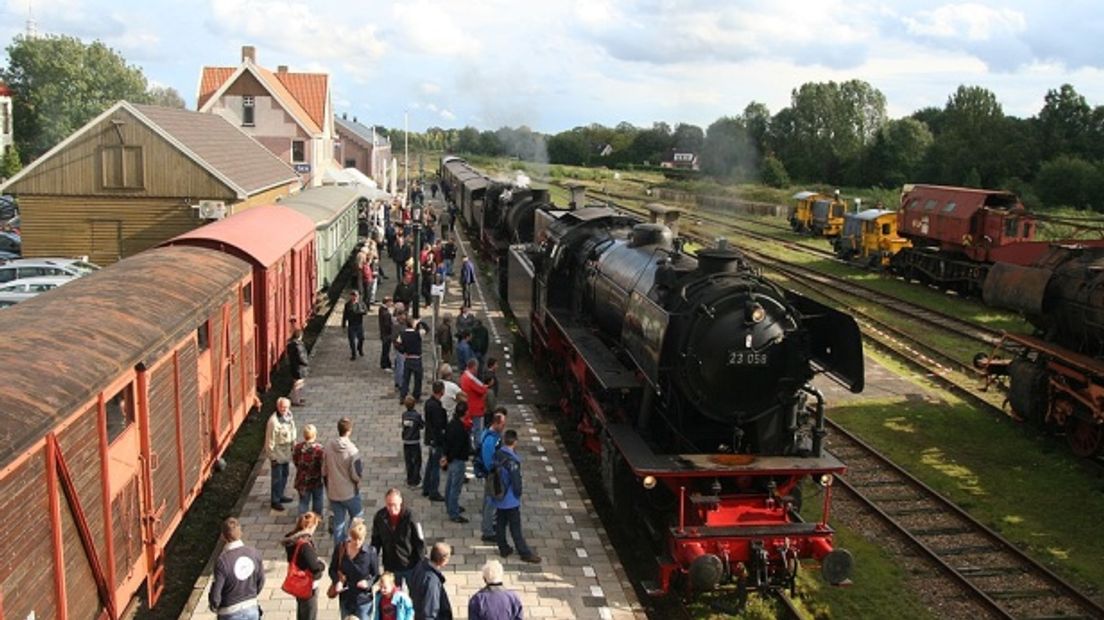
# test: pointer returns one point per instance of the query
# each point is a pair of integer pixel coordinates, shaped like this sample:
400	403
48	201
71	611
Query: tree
1069	181
569	147
1065	123
828	127
898	153
10	164
974	147
728	152
756	119
59	83
468	140
689	137
165	96
773	173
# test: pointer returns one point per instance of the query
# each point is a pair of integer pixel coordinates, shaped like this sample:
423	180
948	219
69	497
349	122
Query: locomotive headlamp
649	482
826	480
755	313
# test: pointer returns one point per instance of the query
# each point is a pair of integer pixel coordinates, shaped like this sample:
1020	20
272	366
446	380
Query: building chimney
281	69
354	119
662	214
249	53
344	116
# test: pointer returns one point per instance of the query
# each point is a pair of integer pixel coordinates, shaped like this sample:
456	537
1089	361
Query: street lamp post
417	256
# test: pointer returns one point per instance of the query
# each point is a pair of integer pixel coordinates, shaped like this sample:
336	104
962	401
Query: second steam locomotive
689	377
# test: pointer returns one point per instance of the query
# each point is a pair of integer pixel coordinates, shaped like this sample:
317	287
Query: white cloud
447	115
969	21
433	28
429	88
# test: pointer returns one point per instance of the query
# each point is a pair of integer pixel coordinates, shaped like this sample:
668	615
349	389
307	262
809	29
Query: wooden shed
280	245
333	209
138	175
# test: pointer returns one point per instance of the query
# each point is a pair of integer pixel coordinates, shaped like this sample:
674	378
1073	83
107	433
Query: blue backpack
480	468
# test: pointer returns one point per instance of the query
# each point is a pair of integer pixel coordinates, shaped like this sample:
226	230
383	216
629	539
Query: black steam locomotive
689	376
1056	375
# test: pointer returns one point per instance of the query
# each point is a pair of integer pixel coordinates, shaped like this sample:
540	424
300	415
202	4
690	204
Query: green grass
1028	488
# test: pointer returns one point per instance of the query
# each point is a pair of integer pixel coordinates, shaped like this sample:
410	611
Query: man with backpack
489	442
507	499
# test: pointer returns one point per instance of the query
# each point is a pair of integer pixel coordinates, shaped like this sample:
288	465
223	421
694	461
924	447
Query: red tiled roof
211	80
304	93
4	90
310	90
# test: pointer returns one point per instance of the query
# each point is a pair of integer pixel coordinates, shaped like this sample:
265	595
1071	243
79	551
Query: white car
36	267
39	284
16	291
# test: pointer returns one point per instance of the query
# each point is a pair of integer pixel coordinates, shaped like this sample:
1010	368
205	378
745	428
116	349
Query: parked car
39	284
6	256
8	208
35	267
11	242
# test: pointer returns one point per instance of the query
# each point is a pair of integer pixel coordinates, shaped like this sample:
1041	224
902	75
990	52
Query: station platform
580	576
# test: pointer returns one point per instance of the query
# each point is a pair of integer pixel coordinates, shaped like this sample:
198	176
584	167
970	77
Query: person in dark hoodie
436	420
343	469
306	558
353	571
457	451
412	426
238	577
427	585
398	536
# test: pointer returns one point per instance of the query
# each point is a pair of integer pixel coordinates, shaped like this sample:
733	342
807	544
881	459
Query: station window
247	295
249	106
298	151
929	205
950	207
203	336
120	413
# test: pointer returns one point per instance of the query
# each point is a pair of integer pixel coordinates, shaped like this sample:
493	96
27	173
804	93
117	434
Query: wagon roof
323	204
967	200
263	234
64	346
805	195
870	214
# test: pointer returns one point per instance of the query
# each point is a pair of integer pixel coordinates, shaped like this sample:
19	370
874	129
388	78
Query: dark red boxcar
120	390
280	244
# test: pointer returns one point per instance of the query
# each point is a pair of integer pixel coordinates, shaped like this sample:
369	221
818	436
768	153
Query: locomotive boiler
690	377
1056	375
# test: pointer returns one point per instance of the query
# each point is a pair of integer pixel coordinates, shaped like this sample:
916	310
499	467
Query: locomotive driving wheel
1085	437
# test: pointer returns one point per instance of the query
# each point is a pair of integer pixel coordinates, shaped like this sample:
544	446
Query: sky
556	64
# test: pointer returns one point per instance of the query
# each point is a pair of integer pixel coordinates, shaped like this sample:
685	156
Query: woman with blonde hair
353	572
391	602
299	544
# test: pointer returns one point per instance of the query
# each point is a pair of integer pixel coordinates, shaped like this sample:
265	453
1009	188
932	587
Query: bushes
773	173
1071	182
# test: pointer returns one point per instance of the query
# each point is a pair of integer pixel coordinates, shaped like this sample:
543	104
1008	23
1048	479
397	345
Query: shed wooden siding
76	170
104	229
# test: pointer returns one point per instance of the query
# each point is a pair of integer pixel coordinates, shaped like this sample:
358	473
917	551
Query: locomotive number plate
747	358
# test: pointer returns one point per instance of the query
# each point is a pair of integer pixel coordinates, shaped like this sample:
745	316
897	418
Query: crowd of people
381	567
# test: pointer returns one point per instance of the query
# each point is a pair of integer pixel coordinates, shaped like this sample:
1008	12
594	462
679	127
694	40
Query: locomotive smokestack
662	214
716	260
578	196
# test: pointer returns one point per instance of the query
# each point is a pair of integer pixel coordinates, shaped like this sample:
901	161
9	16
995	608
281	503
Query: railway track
1001	578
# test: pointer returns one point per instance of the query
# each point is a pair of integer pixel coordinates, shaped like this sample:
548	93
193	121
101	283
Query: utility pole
406	158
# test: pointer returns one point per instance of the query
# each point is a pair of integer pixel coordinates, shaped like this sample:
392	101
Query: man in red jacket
477	399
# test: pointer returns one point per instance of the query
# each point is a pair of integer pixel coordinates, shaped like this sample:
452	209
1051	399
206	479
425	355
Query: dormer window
248	106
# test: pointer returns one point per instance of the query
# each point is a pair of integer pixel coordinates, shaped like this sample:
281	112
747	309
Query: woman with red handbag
304	567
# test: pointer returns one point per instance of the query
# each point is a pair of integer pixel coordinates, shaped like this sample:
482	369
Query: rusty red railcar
120	392
280	245
958	233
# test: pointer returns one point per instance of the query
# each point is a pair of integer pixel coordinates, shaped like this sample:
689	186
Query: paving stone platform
580	576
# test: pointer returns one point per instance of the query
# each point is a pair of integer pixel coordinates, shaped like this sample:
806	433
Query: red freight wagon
280	244
120	391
